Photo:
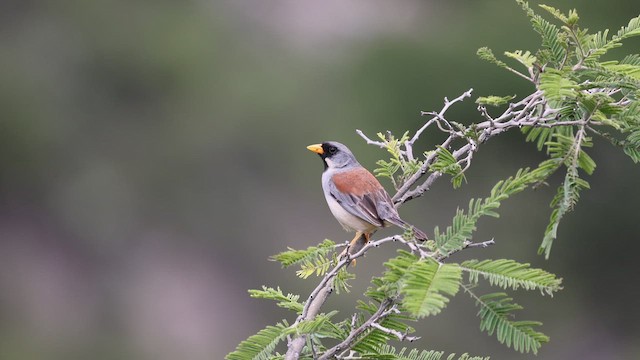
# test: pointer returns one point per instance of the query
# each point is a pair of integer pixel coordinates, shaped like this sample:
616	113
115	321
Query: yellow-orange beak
316	148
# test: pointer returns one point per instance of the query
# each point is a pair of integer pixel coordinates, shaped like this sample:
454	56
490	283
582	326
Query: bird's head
334	154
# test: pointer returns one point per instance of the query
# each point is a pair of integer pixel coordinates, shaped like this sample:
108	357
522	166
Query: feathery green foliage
464	224
569	148
261	345
421	284
629	120
295	257
557	88
579	86
397	267
495	317
288	301
524	57
510	274
494	100
446	163
398	162
632	147
387	352
425	287
319	266
340	282
553	49
598	44
320	325
486	54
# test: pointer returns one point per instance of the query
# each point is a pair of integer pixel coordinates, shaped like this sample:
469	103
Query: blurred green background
153	156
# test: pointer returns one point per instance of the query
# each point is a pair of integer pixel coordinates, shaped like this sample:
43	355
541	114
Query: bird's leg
352	244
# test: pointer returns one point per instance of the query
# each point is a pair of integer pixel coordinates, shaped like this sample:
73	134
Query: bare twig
440	114
467	245
356	332
396	333
483	244
386	308
369	141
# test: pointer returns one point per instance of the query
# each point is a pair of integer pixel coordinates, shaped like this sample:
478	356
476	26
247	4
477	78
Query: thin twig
483	244
396	333
369	141
447	105
355	333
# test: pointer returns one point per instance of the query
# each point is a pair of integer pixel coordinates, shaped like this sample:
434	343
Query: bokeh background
152	157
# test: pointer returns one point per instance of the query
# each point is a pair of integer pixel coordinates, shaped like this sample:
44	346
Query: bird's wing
361	194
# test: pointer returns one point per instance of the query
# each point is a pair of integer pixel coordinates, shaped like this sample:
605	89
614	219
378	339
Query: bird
355	197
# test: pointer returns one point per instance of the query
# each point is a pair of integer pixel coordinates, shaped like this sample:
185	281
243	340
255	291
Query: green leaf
293	257
631	145
538	134
525	58
388	352
623	69
495	317
567	147
261	345
633	153
494	100
340	281
321	324
426	284
422	283
557	87
586	163
464	224
319	266
569	20
446	163
553	47
288	301
632	59
566	197
486	54
632	29
510	274
398	266
600	45
397	162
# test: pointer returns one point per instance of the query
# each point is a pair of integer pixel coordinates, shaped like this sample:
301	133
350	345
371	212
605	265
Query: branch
439	115
530	111
320	294
467	245
396	333
345	345
386	308
369	141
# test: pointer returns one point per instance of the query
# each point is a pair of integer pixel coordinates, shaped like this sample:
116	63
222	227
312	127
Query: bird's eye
333	150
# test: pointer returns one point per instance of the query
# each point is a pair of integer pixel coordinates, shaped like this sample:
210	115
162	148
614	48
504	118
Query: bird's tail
417	233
